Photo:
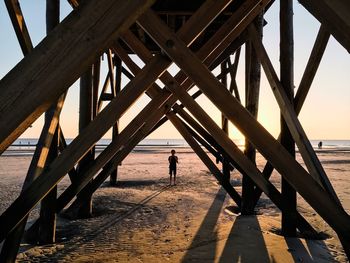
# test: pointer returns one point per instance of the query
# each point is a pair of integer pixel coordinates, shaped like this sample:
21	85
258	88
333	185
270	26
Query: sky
325	114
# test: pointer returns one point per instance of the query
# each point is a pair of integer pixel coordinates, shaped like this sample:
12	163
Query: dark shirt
172	161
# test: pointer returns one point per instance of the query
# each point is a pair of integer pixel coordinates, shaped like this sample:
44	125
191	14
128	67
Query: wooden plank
334	15
311	68
204	157
287	82
45	150
252	89
47	225
233	72
226	169
221	137
204	143
200	15
79	146
200	130
86	110
59	60
307	152
311	191
206	16
19	24
12	242
115	133
111	153
165	119
304	86
236	25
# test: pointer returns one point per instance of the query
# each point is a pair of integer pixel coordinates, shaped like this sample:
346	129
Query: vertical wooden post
86	111
253	72
224	122
47	225
287	76
117	88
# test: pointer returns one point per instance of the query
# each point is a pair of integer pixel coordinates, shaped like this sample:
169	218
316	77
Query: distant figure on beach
173	160
320	145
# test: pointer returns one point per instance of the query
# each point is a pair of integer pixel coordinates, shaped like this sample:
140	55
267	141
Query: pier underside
197	36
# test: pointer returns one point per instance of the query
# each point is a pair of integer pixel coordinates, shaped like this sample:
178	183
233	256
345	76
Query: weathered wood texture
224	125
313	193
244	165
47	226
86	111
252	91
73	153
117	89
19	24
134	67
59	60
287	82
48	135
223	180
304	86
290	117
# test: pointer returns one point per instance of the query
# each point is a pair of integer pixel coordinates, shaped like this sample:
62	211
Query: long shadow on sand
203	247
245	242
312	251
77	239
132	183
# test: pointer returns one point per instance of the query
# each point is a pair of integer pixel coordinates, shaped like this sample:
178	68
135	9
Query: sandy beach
144	219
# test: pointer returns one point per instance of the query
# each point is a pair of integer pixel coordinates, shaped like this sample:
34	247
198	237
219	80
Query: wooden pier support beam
308	154
59	60
287	81
47	225
313	193
252	91
117	88
224	123
86	110
205	158
304	87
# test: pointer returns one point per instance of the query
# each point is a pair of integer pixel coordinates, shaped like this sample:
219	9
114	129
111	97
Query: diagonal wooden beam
45	150
252	92
207	11
19	24
244	164
39	161
311	67
304	87
311	191
204	143
231	32
165	119
223	46
59	60
307	152
26	201
334	15
115	152
79	146
204	157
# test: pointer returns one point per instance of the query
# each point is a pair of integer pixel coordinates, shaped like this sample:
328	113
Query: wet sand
144	219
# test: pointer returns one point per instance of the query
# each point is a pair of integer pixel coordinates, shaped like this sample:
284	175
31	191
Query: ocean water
25	146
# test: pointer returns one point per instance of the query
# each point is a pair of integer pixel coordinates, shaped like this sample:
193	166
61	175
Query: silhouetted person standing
320	145
173	160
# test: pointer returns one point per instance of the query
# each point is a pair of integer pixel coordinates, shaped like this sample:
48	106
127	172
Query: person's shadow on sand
203	245
245	243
